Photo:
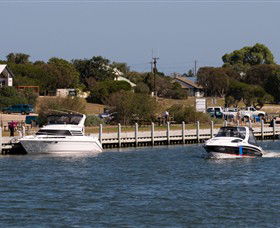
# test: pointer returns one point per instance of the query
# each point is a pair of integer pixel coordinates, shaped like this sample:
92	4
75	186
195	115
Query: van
19	108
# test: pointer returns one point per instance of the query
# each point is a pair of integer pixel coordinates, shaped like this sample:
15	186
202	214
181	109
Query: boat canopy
237	132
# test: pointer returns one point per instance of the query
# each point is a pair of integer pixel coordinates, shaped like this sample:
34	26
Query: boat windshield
238	132
64	119
53	132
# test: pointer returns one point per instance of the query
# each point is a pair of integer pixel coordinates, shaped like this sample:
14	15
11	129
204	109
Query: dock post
23	131
250	123
262	133
168	133
152	134
212	129
197	131
1	140
136	134
119	135
225	123
100	133
274	122
183	132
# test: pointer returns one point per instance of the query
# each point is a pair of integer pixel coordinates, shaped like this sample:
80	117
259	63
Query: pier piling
183	132
168	133
136	134
153	134
119	135
262	129
197	131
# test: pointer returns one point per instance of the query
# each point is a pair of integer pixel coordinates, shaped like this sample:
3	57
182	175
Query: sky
131	31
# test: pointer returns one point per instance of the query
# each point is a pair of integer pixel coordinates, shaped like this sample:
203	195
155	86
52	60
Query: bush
141	87
187	114
93	120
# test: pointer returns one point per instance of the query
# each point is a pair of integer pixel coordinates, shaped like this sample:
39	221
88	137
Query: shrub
187	114
93	120
141	87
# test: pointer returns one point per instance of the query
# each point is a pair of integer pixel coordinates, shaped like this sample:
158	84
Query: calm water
147	187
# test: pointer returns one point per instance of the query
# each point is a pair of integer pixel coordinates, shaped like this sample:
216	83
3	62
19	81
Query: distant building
119	77
192	88
70	92
6	76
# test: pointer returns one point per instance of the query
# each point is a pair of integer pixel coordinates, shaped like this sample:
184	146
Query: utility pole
154	71
195	67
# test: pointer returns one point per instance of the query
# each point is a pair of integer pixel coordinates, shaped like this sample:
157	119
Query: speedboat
63	133
233	142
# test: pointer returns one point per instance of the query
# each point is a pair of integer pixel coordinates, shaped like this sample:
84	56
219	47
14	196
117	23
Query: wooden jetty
167	137
9	145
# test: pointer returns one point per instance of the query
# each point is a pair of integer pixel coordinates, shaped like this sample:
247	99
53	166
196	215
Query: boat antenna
65	111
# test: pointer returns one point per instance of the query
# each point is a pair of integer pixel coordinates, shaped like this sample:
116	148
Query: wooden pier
136	138
168	137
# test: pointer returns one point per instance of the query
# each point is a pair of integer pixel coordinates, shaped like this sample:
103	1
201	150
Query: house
191	86
6	76
119	77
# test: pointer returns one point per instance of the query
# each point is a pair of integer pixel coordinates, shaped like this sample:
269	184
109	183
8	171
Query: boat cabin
243	133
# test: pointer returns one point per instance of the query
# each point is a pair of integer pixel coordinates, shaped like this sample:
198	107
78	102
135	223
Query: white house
6	76
119	77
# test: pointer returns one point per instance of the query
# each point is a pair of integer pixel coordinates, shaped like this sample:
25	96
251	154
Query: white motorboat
233	142
63	133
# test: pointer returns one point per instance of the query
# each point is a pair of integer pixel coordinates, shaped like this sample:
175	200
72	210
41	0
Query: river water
145	187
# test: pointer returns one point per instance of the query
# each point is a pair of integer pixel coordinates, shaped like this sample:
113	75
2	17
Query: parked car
250	113
19	108
216	112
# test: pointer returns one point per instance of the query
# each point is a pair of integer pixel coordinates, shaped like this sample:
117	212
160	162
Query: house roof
3	67
120	78
187	81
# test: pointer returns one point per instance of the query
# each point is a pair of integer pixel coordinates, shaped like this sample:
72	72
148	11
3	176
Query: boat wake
271	154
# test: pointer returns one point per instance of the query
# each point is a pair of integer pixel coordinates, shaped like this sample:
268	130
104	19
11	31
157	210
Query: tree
273	85
189	74
102	90
259	74
257	54
187	114
97	68
63	73
133	107
122	67
10	96
215	81
18	58
251	95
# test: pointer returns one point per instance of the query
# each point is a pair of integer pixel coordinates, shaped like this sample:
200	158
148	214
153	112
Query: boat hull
36	146
232	151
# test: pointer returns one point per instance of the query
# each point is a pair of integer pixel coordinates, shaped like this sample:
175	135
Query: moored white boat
63	133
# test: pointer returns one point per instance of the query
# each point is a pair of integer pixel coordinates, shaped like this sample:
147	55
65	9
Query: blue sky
179	32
